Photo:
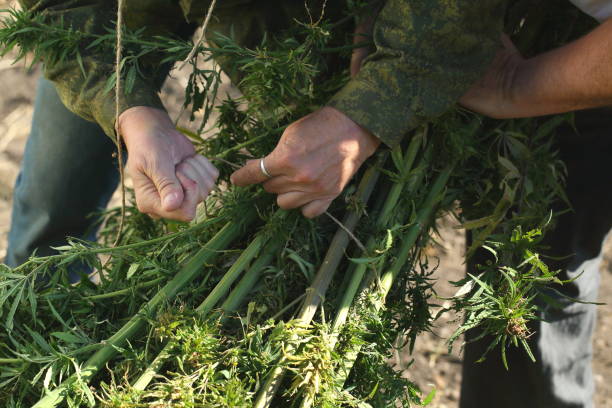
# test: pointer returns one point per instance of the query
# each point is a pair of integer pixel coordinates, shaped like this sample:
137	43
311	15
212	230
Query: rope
118	58
202	37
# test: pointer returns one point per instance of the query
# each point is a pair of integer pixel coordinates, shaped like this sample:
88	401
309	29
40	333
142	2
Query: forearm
81	73
427	53
573	77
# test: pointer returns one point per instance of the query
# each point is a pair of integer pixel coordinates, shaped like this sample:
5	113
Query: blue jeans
68	173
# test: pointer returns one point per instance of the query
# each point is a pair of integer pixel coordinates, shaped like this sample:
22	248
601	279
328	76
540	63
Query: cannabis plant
252	306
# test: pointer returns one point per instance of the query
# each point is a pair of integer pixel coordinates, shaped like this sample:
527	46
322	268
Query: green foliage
505	175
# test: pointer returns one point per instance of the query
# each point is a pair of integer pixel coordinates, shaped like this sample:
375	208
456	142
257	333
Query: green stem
359	272
420	224
316	292
250	278
211	300
244	144
383	220
125	291
187	273
98	251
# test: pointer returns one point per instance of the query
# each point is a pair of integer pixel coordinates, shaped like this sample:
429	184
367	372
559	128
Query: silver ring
263	168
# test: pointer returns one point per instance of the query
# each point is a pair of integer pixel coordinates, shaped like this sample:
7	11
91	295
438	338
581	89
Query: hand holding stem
170	179
313	161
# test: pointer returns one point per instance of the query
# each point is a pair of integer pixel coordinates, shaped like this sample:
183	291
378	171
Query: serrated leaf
48	377
68	337
132	270
465	289
429	398
11	314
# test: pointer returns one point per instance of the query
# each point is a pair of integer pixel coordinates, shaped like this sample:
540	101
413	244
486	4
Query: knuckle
308	213
283	161
164	183
268	188
319	186
142	207
281	203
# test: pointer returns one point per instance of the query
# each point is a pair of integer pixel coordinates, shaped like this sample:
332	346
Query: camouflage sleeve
83	90
427	54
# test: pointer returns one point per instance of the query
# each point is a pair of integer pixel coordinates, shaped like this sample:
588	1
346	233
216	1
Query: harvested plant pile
254	306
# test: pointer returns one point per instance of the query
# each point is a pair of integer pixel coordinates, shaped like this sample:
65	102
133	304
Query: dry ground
433	367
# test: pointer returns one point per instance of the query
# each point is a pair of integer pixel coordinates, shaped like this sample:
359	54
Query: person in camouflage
427	55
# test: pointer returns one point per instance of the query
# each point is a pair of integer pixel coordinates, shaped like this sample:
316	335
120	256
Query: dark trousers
562	344
67	173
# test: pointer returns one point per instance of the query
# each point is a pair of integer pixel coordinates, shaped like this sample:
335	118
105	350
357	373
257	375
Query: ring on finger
262	166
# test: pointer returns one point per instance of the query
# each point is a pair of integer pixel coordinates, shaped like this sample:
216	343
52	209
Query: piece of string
194	50
350	234
312	22
202	37
118	58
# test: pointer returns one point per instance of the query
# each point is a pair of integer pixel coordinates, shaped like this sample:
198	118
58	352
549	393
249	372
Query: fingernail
170	200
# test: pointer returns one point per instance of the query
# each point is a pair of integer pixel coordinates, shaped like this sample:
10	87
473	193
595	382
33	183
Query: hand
363	33
169	178
313	161
495	94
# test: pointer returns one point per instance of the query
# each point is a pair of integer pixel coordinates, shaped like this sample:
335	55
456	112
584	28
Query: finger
281	185
209	177
212	170
147	196
315	208
187	211
293	199
357	58
252	173
168	186
148	200
200	175
189	170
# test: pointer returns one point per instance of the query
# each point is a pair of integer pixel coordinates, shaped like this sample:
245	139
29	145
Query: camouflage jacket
427	54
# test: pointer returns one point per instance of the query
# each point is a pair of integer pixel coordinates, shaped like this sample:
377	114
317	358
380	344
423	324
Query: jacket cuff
103	108
376	109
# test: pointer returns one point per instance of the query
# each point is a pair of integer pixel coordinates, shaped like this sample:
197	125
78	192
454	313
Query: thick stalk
186	274
421	223
316	292
360	270
383	221
250	278
211	300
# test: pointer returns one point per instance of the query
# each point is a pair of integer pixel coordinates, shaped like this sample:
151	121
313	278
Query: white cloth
600	9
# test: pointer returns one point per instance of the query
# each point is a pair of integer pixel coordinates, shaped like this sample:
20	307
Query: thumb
168	186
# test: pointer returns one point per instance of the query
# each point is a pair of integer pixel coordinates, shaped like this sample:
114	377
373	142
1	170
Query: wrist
523	98
368	143
139	121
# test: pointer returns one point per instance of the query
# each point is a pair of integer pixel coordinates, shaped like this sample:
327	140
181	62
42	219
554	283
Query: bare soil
432	367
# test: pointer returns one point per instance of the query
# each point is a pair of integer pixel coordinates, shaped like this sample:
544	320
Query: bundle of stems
268	308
